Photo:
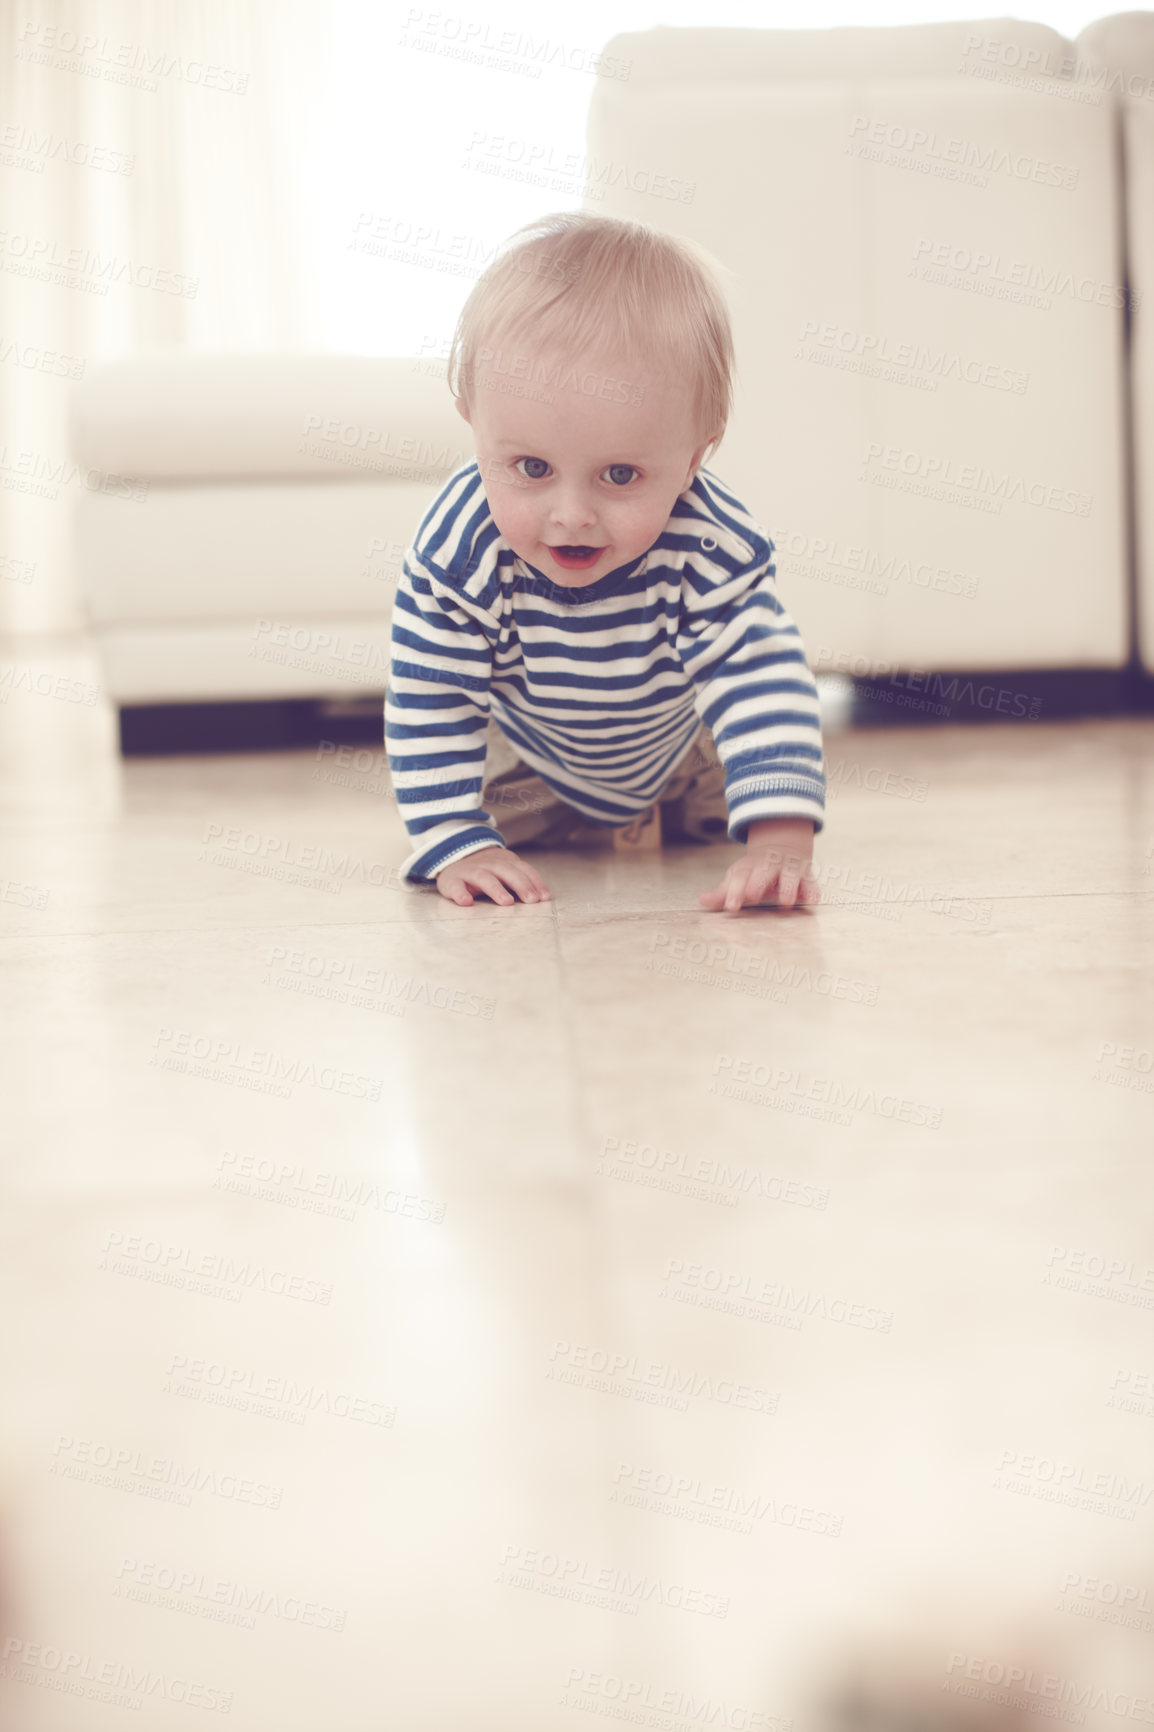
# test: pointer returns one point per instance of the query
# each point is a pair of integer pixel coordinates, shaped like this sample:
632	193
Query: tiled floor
518	1318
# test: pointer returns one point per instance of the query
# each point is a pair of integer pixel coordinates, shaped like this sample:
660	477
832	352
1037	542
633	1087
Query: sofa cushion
670	55
218	551
852	277
344	417
327	655
1121	48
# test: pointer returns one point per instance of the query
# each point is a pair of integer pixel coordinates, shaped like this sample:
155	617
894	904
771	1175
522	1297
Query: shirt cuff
420	870
777	797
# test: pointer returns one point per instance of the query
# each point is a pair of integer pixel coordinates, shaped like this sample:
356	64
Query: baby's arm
760	699
436	719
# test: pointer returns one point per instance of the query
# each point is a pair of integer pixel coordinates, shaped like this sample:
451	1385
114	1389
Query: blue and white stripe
599	690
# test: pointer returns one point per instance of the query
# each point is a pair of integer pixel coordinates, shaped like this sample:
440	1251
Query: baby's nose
574	511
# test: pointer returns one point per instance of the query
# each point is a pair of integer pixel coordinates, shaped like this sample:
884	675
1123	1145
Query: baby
586	626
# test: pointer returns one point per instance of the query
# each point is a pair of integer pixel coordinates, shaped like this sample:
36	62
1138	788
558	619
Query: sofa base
915	697
910	698
260	725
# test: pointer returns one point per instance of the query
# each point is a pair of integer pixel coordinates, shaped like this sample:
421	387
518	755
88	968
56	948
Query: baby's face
584	471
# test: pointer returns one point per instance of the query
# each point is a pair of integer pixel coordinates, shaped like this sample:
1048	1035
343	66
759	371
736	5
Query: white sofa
1119	52
824	165
275	496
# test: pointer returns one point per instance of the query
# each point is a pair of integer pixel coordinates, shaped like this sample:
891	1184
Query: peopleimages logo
705	1177
617	1373
994	487
274	856
220	1059
739	960
610	1587
267	1395
218	1597
953	156
156	1476
632	1695
95	270
178	1265
1101	1274
736	1289
1106	1601
733	1075
1097	1491
77	1674
847	773
853	566
1015	277
1051	1687
1064	76
267	1179
720	1506
37	148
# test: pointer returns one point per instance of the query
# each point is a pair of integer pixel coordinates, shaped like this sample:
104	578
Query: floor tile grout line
202	931
555	914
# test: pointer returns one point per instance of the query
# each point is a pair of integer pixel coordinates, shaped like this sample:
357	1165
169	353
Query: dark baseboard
918	699
276	725
911	699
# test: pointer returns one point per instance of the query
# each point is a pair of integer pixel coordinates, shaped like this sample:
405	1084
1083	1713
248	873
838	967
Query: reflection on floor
514	1318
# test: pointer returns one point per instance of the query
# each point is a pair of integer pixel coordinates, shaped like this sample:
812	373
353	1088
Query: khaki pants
525	809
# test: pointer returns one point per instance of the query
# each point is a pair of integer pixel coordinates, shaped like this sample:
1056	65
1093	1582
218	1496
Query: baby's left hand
778	858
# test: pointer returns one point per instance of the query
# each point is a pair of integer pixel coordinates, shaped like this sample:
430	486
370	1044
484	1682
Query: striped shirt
599	690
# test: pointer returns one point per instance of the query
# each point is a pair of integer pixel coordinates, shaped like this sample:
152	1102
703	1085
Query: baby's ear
694	466
461	409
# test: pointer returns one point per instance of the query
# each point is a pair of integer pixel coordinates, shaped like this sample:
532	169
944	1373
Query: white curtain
157	181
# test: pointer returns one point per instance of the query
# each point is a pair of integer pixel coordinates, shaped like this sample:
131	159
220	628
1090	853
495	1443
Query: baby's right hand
491	872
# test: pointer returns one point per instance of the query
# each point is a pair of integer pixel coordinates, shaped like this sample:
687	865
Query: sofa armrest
204	418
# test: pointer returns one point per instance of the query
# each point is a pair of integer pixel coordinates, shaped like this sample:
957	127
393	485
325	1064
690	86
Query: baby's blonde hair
584	284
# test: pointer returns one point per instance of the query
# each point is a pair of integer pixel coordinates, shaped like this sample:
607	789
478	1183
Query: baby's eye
619	473
534	474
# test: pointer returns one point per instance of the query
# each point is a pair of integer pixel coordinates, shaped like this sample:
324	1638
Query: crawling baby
587	635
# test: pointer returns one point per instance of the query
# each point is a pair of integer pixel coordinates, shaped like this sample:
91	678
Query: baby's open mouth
576	552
